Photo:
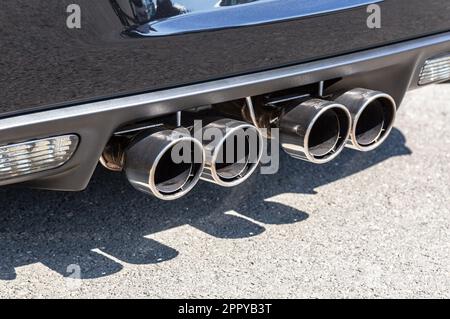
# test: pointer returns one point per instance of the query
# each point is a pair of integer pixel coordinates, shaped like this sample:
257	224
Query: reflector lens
36	156
435	70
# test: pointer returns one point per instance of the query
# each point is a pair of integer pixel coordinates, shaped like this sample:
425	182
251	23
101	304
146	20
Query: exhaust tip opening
324	134
327	134
233	159
171	177
236	156
164	164
374	122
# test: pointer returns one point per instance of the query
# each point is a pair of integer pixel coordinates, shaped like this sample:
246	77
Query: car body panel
44	64
187	16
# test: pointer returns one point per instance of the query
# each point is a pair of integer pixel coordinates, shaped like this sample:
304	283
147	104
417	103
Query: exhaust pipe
315	131
166	163
373	115
233	150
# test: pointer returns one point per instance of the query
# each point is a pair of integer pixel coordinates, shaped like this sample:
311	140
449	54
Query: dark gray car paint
43	64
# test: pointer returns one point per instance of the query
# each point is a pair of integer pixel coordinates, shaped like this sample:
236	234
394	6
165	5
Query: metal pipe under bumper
233	150
166	164
315	130
373	115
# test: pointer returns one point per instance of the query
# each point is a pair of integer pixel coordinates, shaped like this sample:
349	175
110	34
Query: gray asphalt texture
366	225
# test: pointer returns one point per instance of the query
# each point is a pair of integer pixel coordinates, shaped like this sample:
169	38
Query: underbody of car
128	84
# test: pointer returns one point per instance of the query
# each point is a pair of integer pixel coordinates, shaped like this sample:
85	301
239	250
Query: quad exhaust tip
233	150
373	116
315	130
166	164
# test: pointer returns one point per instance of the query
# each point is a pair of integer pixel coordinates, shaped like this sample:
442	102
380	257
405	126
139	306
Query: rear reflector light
435	70
36	156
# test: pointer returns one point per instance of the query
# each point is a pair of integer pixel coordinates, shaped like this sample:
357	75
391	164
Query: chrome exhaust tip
373	116
233	150
314	131
166	164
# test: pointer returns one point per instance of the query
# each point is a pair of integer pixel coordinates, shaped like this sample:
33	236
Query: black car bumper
393	69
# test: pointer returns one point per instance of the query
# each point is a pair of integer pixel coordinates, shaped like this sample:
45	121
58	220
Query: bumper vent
435	70
36	156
